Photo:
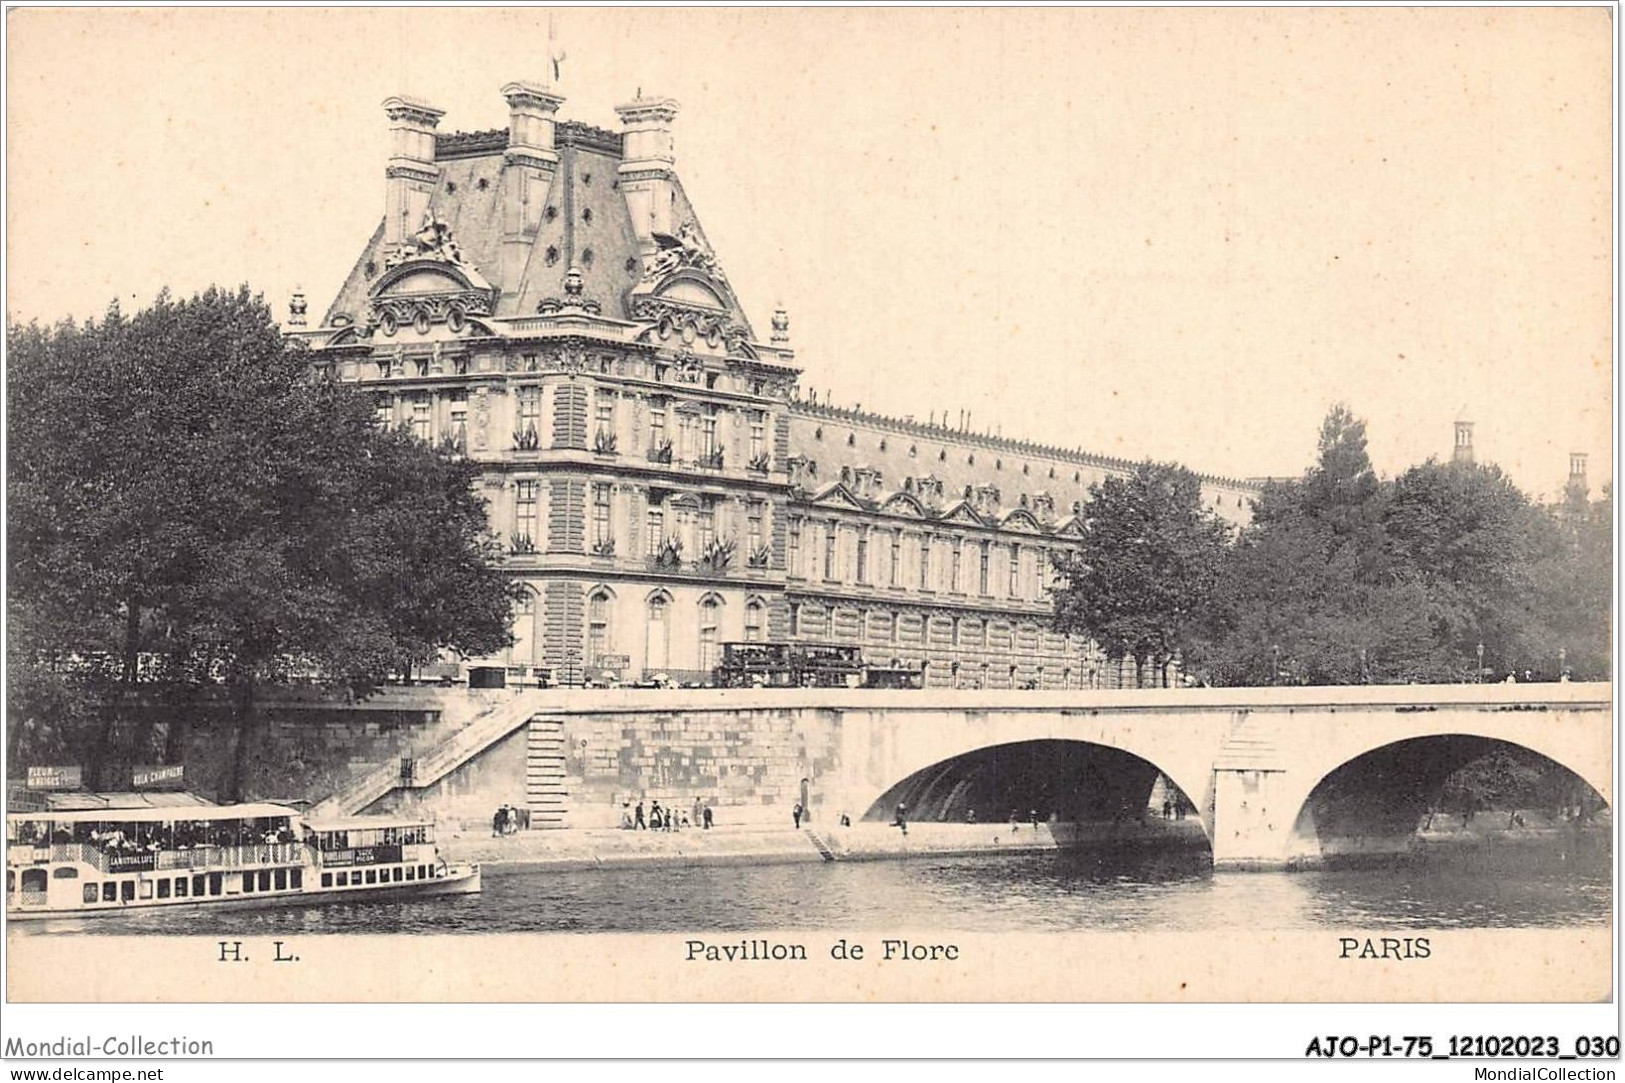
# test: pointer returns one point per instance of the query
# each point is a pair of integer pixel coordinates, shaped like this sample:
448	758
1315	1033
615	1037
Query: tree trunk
242	716
115	706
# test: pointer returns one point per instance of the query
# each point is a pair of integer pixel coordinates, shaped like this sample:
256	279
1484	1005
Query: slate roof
585	223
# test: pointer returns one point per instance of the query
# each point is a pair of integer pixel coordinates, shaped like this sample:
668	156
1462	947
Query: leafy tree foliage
1342	577
190	505
1147	568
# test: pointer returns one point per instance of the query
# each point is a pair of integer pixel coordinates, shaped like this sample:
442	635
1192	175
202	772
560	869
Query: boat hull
458	880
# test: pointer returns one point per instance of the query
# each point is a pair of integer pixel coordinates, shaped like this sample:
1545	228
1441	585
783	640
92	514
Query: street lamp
1479	677
1365	673
1275	673
1562	662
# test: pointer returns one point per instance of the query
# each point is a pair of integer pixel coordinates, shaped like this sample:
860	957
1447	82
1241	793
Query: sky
1179	234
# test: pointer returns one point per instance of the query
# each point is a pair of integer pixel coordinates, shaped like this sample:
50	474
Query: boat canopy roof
363	823
168	814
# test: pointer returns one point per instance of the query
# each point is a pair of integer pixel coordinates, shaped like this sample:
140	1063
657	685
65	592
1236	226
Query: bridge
1275	776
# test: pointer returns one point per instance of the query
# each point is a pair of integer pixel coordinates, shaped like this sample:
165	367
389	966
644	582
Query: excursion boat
113	861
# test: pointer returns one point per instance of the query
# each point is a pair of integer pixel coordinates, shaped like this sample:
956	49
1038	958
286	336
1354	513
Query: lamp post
1365	673
1479	673
1562	663
1275	673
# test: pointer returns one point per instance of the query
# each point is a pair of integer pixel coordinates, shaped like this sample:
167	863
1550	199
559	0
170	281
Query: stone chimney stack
410	174
647	161
1463	451
528	168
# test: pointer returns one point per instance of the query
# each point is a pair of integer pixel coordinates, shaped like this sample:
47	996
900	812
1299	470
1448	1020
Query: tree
1141	580
1473	540
188	498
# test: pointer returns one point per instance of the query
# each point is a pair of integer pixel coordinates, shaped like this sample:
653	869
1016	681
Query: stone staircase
488	727
823	847
1253	745
546	791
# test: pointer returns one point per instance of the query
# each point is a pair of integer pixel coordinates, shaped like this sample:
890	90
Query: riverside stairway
489	726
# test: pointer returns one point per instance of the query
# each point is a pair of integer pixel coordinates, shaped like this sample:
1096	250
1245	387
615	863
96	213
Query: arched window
755	621
598	644
710	619
523	651
657	636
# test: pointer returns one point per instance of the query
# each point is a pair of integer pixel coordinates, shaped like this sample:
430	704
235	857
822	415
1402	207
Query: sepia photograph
810	505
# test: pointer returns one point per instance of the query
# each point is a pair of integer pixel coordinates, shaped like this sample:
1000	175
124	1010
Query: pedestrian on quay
901	822
626	815
706	819
637	817
1167	809
698	812
657	817
795	814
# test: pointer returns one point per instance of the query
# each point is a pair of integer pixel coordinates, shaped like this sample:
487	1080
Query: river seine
1039	892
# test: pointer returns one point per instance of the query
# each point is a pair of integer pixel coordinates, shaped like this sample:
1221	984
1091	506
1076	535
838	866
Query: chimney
528	167
1463	451
647	158
410	174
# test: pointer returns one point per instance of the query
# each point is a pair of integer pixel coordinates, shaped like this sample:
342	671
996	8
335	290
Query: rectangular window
146	889
829	552
217	883
600	515
708	434
655	524
753	527
605	417
383	410
296	878
524	511
925	562
423	872
758	435
248	881
182	884
327	879
863	555
1015	571
199	884
420	417
795	618
372	876
265	879
794	554
89	895
344	879
282	879
953	579
982	572
657	425
530	412
397	876
411	873
163	888
707	525
896	558
459	420
110	891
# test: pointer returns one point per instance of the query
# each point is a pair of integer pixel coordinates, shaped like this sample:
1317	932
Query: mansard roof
585	224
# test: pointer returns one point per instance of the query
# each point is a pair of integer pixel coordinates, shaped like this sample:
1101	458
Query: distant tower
1577	492
1463	451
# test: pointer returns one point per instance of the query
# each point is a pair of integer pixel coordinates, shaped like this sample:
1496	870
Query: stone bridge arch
1267	817
878	750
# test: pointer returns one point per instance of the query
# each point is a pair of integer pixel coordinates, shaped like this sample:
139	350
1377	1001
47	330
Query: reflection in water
1038	892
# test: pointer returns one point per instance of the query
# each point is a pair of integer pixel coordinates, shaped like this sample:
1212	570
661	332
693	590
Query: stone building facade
543	298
